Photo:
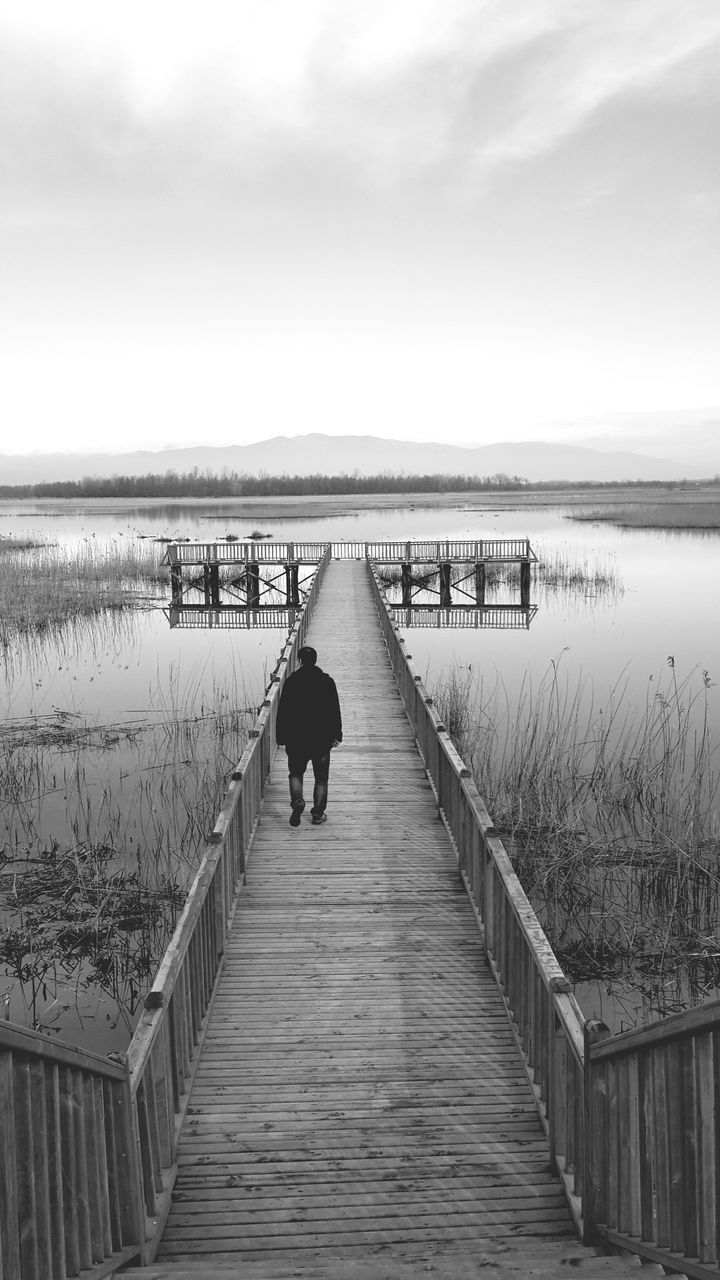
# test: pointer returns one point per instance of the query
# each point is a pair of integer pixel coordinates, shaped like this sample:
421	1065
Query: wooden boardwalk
359	1088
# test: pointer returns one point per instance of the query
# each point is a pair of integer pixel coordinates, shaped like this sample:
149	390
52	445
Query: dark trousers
297	764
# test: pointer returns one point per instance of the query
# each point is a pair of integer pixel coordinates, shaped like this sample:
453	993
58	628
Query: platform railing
427	551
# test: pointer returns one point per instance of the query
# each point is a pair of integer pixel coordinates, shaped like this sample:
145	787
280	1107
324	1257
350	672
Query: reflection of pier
506	617
229	617
257	574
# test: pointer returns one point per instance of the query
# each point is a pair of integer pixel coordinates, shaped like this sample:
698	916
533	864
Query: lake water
666	603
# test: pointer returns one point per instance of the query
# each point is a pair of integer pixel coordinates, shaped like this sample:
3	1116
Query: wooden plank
359	1070
39	1138
9	1197
25	1168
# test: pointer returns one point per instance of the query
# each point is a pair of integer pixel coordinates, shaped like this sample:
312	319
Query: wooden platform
359	1088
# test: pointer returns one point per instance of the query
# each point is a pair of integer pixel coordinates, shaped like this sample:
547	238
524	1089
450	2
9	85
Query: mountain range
370	455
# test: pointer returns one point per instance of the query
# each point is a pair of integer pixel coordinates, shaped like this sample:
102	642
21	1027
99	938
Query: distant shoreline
658	505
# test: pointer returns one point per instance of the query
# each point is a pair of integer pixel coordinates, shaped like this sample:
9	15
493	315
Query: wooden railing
164	1049
87	1161
435	551
654	1163
633	1120
260	552
427	552
69	1186
546	1018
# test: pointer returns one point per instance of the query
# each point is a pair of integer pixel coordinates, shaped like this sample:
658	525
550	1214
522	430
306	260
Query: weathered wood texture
546	1019
487	550
164	1050
359	1085
68	1173
655	1155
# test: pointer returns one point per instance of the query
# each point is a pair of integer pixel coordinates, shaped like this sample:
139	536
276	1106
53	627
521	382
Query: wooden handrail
546	1019
632	1118
430	551
654	1176
164	1049
69	1181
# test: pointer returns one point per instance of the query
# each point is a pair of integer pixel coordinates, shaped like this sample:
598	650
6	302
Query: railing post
595	1131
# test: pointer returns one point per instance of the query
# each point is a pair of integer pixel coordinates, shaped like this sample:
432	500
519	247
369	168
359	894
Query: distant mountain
366	455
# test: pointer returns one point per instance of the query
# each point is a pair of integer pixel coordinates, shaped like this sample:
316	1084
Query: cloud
365	97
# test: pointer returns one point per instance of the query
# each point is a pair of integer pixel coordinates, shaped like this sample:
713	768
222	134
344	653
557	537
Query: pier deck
359	1085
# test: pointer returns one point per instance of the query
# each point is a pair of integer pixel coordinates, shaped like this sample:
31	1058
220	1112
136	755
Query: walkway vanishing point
369	1064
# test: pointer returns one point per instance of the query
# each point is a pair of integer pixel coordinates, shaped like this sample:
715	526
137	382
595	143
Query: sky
461	220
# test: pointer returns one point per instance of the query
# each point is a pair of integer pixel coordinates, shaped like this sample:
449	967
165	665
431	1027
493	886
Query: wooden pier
259	572
359	1084
360	1058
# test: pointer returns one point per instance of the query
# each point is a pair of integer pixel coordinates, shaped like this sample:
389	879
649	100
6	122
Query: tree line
233	484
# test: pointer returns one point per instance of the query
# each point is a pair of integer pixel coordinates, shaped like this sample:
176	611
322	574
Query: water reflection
500	617
228	617
614	603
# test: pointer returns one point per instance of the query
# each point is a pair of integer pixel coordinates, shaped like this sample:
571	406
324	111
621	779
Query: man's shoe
295	817
318	818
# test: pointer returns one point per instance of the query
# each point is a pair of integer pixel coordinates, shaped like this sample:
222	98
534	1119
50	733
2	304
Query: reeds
101	829
558	571
43	588
685	513
610	814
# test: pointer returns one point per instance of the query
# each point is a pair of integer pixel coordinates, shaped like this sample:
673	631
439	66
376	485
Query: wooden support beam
525	584
292	590
406	571
206	585
253	585
215	584
480	584
176	583
445	593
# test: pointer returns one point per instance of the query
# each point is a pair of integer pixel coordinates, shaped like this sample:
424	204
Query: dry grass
101	829
43	588
611	818
558	571
697	516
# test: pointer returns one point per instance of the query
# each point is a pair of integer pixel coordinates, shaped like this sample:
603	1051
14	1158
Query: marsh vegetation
558	570
102	820
118	733
45	587
609	811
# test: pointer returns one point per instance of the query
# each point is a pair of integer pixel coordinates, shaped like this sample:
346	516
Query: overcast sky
428	219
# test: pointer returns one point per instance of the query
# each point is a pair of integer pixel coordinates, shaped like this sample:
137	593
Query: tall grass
558	571
45	587
101	828
610	814
679	514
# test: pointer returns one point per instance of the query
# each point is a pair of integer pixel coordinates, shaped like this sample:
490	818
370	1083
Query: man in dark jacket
308	726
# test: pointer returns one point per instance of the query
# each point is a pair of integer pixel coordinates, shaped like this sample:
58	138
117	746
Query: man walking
308	726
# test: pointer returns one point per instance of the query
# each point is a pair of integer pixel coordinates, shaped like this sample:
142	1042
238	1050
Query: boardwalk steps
551	1261
359	1108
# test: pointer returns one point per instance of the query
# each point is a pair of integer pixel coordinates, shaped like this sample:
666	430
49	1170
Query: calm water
668	604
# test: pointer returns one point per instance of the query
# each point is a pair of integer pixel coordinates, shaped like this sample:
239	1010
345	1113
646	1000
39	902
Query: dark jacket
308	717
